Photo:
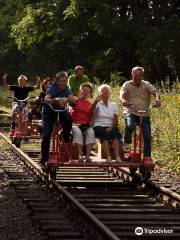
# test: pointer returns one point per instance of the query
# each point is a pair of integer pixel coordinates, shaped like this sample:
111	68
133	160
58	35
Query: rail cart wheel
52	172
146	173
132	170
17	142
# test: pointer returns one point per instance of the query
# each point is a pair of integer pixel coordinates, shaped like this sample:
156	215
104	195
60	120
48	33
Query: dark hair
60	75
47	79
87	84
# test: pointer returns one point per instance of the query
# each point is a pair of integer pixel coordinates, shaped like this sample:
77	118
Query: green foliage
104	36
117	78
73	10
32	28
166	130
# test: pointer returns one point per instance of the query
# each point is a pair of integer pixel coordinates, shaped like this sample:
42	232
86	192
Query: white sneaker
126	147
118	160
108	160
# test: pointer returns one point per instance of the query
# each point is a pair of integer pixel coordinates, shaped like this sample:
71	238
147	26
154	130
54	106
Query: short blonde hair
137	68
22	76
104	86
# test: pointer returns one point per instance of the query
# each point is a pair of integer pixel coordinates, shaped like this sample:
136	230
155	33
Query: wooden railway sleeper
161	196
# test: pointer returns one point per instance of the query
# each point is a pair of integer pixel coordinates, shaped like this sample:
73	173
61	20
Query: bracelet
56	100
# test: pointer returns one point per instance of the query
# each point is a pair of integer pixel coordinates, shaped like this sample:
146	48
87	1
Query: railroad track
94	203
91	202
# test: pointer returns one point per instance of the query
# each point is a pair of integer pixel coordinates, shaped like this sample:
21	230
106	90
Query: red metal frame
136	155
59	157
18	134
134	159
18	131
32	130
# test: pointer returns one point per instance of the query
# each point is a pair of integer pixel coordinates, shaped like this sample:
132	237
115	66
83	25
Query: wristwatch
130	104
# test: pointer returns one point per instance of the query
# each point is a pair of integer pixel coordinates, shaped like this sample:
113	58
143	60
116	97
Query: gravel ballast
15	222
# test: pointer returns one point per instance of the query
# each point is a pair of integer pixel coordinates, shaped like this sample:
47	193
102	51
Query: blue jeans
48	121
130	122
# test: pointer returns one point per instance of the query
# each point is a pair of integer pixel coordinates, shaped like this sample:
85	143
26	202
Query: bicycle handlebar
140	110
20	100
55	110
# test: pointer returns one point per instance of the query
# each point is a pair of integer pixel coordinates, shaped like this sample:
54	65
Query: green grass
166	132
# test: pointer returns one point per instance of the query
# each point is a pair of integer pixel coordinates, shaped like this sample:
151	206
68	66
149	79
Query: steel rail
94	221
164	190
173	195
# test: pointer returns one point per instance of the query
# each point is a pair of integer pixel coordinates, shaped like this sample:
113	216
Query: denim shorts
102	134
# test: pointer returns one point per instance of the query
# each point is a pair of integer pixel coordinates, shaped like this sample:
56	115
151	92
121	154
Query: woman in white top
106	121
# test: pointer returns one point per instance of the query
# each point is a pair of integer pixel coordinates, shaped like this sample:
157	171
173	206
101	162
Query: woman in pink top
83	133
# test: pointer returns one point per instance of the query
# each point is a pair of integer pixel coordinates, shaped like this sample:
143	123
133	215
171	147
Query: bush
117	79
166	132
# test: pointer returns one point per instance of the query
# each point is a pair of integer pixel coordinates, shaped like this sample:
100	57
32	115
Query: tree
104	36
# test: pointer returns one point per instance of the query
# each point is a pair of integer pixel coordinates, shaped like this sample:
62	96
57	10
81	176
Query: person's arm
92	118
37	86
114	123
49	100
155	94
61	101
69	81
157	98
114	119
5	82
98	98
124	97
11	87
72	100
